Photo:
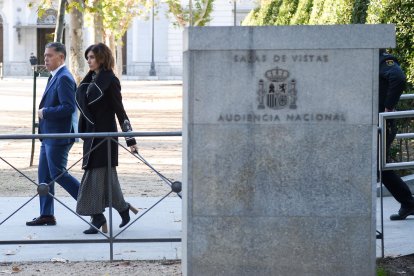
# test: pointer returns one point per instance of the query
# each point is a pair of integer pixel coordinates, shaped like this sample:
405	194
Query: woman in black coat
99	100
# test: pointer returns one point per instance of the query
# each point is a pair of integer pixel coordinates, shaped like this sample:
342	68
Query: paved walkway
163	221
397	234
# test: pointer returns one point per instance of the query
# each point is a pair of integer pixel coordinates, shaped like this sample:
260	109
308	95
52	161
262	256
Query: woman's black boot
125	215
98	221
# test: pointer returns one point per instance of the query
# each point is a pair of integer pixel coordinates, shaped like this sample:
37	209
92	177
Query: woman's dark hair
103	55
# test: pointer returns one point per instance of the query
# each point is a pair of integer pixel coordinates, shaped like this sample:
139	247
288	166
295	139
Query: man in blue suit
57	114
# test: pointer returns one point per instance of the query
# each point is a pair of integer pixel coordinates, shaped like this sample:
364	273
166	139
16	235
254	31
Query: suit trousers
52	168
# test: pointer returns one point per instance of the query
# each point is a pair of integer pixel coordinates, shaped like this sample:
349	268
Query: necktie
48	81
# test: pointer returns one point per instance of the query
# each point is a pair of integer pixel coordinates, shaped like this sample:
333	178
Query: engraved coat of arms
277	91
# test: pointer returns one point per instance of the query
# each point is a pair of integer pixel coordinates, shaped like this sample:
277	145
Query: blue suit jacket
59	107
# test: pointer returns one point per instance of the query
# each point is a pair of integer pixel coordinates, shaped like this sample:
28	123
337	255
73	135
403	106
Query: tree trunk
61	22
119	55
77	60
99	29
98	33
110	41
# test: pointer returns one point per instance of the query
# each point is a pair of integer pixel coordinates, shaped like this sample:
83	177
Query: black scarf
90	90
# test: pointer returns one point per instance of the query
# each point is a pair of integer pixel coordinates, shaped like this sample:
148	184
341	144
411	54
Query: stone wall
279	149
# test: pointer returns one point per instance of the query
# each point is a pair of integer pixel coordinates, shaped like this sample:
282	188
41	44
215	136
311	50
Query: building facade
23	33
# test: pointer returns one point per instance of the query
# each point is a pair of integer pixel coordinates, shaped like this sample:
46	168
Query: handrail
382	123
88	135
383	165
404	136
407	97
107	137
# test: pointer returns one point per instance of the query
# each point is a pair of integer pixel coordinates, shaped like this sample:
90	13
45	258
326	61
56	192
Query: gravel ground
393	266
122	268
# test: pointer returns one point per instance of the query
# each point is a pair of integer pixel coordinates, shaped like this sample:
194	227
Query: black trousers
395	185
398	188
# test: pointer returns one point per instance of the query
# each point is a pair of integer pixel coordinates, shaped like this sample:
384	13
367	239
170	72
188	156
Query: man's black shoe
42	220
403	213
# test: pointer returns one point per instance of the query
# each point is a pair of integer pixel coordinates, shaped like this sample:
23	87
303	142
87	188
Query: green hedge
302	13
319	12
400	13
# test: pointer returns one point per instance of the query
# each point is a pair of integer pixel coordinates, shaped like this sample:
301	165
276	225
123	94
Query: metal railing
382	123
107	138
407	97
383	164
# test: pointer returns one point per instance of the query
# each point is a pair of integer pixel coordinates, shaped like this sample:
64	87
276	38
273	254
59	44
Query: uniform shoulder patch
389	62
